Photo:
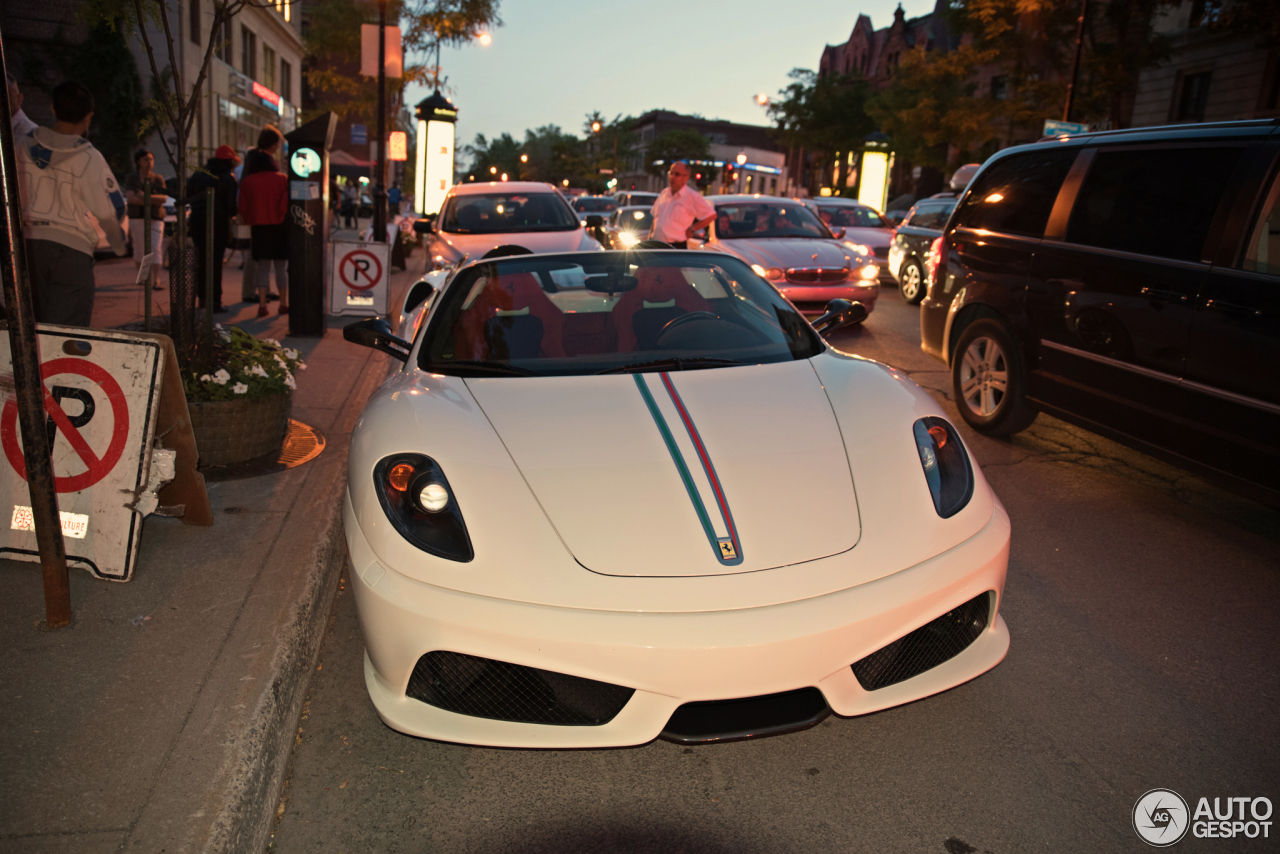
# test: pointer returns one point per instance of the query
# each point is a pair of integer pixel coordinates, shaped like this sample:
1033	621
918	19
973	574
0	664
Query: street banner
360	278
101	398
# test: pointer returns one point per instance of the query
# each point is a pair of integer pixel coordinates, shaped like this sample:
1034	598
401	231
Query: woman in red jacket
264	201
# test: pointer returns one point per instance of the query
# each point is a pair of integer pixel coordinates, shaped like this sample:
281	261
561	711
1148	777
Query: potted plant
241	410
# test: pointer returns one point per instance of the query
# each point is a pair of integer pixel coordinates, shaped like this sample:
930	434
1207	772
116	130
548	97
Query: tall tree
674	145
826	115
492	158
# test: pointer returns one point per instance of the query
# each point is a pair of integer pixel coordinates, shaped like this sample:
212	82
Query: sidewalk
162	719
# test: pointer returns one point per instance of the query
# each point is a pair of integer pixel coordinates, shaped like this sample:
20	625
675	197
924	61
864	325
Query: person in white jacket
62	179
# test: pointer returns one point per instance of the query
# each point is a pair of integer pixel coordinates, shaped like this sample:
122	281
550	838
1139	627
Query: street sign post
361	277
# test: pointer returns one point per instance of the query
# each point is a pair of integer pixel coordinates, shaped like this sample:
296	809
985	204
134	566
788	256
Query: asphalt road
1142	605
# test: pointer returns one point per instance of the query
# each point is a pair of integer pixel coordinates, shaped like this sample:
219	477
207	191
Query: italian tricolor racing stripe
693	463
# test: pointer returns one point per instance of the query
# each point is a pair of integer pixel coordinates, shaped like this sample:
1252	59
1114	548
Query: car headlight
416	497
628	238
860	248
946	465
775	274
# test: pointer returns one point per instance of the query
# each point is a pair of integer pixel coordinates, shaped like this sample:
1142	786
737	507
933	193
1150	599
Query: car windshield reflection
753	220
500	213
588	313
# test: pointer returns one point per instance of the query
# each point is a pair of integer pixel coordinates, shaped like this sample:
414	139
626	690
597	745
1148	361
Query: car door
1232	378
1114	284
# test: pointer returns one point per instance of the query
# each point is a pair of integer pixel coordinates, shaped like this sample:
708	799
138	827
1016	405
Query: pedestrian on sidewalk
145	162
350	199
62	178
264	202
18	119
680	210
216	175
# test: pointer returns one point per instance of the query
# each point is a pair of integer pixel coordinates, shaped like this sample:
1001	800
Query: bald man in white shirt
680	210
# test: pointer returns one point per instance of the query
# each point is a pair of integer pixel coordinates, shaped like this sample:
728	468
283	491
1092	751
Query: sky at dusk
555	61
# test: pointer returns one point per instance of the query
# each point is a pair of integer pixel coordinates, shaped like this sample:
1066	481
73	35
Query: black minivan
1127	282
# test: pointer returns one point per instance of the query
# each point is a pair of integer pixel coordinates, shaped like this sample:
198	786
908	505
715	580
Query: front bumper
863	291
670	658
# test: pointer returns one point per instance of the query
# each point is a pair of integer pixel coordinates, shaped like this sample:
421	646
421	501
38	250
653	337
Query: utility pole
1075	63
379	185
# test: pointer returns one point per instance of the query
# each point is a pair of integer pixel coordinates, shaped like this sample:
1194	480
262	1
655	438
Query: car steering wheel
681	319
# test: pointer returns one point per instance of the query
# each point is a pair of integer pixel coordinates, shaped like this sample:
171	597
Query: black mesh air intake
926	647
484	688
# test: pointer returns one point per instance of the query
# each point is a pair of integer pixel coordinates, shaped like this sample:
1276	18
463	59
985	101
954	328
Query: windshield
752	220
642	199
593	205
501	213
850	217
635	219
610	312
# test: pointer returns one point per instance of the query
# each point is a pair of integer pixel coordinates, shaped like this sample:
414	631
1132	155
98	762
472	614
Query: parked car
572	523
627	226
476	218
911	242
864	227
1127	282
790	246
635	197
600	205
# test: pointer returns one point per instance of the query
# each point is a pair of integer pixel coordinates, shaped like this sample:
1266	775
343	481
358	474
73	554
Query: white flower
281	362
226	336
273	342
222	377
258	371
291	353
302	366
289	380
239	388
204	378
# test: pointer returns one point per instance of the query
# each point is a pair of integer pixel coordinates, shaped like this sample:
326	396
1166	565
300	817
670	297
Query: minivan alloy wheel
984	376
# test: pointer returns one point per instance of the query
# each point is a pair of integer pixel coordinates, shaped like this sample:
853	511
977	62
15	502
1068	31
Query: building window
1193	94
249	53
1000	87
224	47
193	12
269	68
286	80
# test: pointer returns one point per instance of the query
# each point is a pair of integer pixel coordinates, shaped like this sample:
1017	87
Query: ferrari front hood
688	473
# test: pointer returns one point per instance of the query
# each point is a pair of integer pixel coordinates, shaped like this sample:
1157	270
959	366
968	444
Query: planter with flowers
241	410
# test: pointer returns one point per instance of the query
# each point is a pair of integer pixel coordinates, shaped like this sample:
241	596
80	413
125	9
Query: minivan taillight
935	257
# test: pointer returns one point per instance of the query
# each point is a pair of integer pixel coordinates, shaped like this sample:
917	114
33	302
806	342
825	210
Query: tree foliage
826	115
934	100
666	148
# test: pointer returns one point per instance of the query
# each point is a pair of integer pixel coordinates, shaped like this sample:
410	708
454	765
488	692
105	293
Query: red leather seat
658	285
508	294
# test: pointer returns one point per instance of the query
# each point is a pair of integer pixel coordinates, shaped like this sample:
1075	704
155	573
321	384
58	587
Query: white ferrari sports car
615	496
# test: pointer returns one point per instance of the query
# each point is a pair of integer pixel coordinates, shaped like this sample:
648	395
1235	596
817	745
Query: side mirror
374	332
418	294
426	225
840	313
838	232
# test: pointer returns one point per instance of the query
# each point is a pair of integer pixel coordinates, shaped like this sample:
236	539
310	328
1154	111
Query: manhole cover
302	443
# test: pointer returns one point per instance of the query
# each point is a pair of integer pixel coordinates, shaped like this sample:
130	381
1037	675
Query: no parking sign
360	279
101	394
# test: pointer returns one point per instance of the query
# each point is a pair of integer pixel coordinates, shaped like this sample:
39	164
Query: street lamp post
379	185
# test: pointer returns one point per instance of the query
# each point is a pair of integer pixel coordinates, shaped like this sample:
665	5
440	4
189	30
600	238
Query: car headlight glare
628	238
870	271
415	495
433	498
946	465
860	248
